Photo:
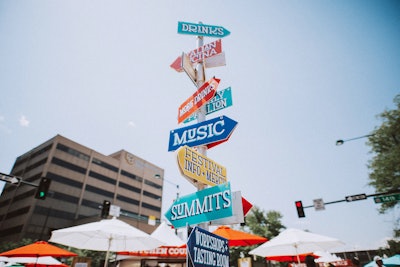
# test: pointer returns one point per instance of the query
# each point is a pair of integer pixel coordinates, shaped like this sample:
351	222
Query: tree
258	222
385	146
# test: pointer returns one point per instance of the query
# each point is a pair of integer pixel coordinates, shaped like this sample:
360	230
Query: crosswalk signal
300	209
43	188
106	209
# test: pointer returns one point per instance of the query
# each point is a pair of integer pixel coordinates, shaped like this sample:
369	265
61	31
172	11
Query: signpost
8	178
210	133
319	204
205	93
205	205
387	198
198	168
221	100
206	249
202	29
356	197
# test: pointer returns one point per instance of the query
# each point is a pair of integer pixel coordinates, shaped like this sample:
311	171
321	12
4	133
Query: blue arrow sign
206	249
205	205
210	133
202	29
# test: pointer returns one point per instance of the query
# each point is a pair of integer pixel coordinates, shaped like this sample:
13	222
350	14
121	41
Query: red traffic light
300	209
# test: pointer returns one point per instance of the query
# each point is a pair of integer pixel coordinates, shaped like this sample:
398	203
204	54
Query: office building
81	179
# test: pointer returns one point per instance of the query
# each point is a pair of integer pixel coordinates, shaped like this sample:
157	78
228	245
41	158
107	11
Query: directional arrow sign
202	29
9	178
205	205
356	197
197	167
209	133
204	94
199	54
221	100
206	249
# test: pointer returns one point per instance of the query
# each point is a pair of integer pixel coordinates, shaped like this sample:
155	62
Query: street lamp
341	141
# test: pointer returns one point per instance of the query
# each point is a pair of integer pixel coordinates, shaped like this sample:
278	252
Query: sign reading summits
202	29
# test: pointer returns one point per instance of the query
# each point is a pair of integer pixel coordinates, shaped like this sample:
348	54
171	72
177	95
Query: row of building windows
73	152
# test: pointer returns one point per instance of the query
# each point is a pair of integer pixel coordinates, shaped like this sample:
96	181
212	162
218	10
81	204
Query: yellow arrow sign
195	166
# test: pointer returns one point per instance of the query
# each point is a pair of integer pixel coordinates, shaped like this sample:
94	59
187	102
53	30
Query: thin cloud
131	124
23	121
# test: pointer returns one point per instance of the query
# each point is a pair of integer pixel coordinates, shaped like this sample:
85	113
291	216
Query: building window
105	165
68	165
64	180
101	177
152	184
128	200
148	194
132	176
151	207
99	191
129	187
73	152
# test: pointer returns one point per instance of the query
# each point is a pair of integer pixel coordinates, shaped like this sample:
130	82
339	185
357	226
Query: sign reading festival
205	205
198	167
206	249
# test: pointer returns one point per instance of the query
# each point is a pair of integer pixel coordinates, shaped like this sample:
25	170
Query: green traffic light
41	194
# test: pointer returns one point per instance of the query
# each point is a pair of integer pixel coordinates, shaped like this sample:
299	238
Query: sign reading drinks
205	205
202	29
206	249
196	166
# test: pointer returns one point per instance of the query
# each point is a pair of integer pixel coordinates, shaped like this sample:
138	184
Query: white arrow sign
9	179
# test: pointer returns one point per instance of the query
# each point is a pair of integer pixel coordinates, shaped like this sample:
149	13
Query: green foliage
385	147
6	246
261	223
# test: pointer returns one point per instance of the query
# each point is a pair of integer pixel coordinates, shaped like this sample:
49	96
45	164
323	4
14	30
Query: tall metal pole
201	113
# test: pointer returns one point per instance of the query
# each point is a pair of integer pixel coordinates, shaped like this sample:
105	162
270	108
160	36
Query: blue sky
303	74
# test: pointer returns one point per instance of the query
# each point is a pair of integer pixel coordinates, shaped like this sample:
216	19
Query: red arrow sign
204	94
201	53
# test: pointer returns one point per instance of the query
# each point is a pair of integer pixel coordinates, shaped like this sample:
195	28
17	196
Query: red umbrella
238	238
37	249
289	258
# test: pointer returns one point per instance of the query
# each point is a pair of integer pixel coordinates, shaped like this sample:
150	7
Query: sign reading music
196	166
210	133
205	93
209	204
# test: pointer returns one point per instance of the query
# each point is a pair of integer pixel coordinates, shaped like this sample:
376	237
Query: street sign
198	168
387	198
200	54
115	211
206	249
8	178
202	206
188	68
210	133
221	100
319	204
205	93
356	197
237	211
202	29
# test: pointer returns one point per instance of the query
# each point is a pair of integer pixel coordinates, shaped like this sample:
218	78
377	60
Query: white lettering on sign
199	133
210	251
203	93
220	200
203	29
186	108
203	52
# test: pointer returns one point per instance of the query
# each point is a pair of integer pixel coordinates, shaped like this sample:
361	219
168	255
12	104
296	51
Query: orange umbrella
238	238
37	249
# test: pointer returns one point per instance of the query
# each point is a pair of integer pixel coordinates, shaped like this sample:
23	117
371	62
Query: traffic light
106	209
300	209
43	187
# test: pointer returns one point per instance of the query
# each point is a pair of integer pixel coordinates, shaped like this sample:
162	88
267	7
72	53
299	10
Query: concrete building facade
81	179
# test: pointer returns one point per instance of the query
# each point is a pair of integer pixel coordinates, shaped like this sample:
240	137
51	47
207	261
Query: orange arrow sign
204	94
199	54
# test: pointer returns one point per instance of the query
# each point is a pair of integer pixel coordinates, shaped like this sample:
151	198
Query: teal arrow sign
205	205
202	29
